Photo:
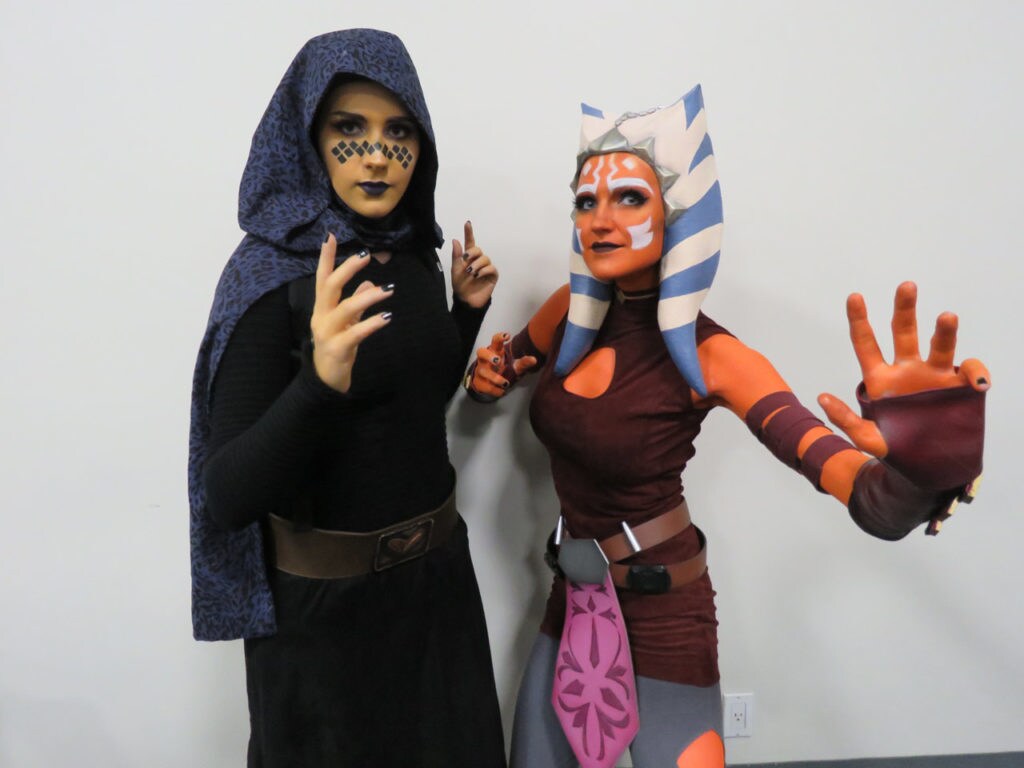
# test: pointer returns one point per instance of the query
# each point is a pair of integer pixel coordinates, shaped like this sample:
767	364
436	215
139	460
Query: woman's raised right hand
337	325
495	370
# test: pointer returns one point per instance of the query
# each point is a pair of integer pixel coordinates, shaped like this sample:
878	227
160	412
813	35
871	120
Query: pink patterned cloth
594	691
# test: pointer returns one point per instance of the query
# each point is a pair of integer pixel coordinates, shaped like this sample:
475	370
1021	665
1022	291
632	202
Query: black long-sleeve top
282	441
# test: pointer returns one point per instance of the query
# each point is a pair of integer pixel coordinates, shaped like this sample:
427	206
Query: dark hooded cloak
286	208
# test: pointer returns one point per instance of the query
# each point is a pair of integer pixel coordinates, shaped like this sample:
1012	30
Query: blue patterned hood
286	207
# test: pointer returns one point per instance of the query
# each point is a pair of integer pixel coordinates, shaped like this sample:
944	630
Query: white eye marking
641	234
586	168
629	181
629	163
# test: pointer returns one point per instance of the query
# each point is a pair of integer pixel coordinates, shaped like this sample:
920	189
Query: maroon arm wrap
783	433
934	440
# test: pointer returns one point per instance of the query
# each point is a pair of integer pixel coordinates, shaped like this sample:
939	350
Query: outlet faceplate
738	715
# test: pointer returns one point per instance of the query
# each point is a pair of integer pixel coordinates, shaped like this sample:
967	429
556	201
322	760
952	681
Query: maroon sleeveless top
619	457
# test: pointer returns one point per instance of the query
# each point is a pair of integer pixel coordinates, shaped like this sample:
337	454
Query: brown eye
347	127
400	131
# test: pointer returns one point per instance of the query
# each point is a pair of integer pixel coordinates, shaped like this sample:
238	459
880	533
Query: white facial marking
630	181
641	234
629	163
592	186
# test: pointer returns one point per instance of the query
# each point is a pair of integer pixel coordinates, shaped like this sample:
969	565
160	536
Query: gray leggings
671	717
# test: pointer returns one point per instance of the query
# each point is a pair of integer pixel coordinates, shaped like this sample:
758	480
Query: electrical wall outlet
738	715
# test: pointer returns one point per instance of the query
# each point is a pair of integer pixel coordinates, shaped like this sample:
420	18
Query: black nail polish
327	237
363	253
504	385
495	360
388	288
385	315
982	380
469	270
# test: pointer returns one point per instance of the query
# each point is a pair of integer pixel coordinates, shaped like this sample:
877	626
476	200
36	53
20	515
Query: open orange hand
907	373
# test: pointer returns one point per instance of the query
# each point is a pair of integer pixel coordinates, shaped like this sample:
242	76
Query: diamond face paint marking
343	150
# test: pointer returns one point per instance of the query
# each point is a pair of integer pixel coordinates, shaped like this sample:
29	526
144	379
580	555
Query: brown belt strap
679	574
654	531
320	554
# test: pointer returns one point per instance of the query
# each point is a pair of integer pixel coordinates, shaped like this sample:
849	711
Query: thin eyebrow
347	115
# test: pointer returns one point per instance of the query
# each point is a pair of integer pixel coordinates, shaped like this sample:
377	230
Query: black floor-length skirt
387	669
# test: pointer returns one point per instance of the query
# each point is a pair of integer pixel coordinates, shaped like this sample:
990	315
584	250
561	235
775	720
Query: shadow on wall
525	497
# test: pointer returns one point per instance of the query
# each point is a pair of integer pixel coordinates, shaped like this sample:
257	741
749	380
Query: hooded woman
323	523
628	369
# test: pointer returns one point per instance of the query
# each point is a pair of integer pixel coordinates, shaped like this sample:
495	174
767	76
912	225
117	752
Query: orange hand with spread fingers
473	274
908	373
337	325
494	364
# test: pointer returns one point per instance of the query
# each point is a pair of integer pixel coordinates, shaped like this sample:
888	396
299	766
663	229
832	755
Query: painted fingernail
495	360
504	385
982	381
469	270
327	237
363	253
505	336
385	315
388	288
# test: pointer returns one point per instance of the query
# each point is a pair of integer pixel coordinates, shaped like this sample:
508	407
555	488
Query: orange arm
496	367
546	319
737	377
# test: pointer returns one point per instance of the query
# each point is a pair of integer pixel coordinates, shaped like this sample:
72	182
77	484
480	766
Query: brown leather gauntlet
934	441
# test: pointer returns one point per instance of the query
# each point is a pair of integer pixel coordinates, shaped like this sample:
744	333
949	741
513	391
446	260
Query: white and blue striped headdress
674	141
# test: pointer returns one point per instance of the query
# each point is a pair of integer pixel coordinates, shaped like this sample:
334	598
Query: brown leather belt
649	579
320	554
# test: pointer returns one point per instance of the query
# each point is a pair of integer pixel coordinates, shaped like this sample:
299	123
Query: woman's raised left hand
473	274
908	373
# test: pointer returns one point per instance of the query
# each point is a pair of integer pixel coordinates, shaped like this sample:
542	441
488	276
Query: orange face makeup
620	219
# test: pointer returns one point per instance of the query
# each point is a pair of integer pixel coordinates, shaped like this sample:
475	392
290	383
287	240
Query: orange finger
487	382
862	433
485	356
865	346
523	364
943	344
498	342
975	373
904	324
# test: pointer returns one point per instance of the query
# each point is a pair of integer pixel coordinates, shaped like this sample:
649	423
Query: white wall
859	144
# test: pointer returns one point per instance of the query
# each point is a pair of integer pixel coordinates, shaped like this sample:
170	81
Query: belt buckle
408	543
582	561
648	579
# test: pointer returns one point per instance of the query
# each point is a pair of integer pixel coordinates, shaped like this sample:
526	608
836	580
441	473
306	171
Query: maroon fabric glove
934	437
935	441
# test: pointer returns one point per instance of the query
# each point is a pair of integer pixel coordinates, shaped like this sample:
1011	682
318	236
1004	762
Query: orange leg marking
707	751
